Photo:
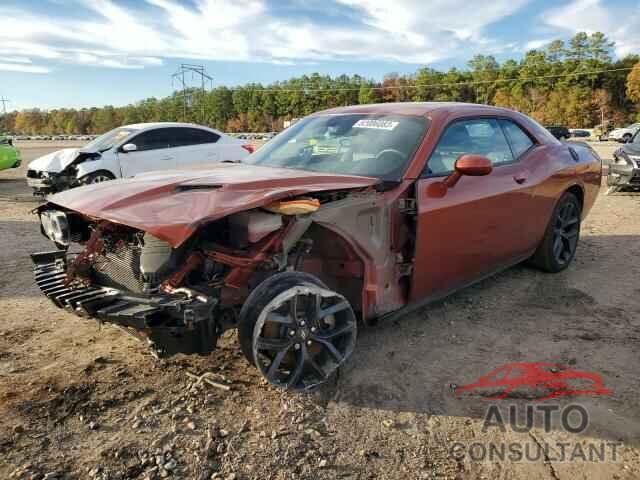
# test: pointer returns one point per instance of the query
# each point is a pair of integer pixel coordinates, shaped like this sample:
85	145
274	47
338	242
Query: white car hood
54	162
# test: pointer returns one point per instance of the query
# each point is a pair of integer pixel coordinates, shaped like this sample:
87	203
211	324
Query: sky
79	53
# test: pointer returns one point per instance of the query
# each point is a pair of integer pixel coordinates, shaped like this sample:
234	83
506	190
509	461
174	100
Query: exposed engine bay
139	281
179	300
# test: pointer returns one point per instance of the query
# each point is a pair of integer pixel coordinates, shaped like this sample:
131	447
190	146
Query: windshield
108	140
366	145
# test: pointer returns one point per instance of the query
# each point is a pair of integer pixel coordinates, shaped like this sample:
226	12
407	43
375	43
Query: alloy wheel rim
99	179
566	232
302	336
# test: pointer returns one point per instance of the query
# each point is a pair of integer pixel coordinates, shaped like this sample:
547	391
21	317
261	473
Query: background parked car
132	149
9	155
575	133
601	131
561	133
624	134
624	172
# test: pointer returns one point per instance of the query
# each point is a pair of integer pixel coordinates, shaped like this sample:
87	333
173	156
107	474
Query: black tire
295	331
258	299
560	241
97	177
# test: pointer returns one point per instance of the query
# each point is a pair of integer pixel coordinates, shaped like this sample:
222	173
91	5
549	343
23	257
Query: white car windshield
366	145
108	140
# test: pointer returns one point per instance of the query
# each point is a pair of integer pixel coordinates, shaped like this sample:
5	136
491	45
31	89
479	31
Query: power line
4	102
195	70
430	85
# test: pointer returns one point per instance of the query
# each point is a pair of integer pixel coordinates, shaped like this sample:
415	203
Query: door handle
168	157
520	179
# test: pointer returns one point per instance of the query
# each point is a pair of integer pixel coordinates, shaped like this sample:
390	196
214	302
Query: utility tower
4	102
199	79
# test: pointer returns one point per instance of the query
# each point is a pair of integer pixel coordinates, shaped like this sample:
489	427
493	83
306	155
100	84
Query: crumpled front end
56	171
179	300
47	183
169	323
624	172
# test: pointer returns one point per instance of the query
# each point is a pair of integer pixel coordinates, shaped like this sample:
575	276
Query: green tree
633	84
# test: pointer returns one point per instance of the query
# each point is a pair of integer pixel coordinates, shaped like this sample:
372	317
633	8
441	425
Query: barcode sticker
376	124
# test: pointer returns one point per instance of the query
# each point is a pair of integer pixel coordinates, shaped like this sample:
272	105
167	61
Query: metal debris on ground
207	378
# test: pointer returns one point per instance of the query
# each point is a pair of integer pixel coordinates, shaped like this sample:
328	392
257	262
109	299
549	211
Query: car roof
144	126
415	108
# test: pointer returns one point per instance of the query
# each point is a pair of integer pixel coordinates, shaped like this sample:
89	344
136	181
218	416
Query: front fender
107	162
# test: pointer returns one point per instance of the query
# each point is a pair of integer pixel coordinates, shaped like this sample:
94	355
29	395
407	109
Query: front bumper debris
623	176
44	183
170	324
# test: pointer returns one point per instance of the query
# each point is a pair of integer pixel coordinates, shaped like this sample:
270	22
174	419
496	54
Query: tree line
575	83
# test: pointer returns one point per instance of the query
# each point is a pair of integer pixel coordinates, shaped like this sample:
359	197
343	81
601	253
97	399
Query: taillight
249	148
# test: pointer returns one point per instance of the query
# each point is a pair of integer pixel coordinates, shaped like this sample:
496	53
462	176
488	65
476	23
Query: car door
152	153
476	227
194	146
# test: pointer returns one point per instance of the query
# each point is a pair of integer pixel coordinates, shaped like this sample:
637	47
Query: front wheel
296	331
558	247
97	177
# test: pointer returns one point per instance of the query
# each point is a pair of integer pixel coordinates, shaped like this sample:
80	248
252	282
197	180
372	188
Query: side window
204	136
152	140
482	136
183	137
520	141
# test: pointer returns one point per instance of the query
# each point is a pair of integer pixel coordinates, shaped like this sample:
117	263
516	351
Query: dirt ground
82	402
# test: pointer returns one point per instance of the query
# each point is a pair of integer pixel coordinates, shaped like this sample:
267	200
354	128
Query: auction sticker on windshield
376	124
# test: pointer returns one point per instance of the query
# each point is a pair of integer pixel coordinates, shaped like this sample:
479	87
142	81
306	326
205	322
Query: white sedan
132	149
624	134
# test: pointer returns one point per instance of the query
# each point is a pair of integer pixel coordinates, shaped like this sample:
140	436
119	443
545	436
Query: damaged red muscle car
351	215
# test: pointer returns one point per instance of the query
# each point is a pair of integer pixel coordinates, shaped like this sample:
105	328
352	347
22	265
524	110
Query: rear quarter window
519	140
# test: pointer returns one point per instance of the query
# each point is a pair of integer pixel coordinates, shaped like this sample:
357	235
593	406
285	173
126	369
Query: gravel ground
82	402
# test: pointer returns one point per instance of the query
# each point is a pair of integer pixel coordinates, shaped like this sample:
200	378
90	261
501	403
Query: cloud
21	67
620	23
15	59
536	44
109	34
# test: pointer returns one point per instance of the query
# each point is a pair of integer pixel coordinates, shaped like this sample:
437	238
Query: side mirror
129	147
469	165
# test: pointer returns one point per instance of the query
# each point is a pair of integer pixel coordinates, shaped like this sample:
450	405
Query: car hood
631	149
56	161
172	204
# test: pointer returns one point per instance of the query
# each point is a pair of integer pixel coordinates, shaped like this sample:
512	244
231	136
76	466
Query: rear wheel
296	331
558	247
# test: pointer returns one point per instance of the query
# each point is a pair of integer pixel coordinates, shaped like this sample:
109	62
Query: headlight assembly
56	226
635	158
620	160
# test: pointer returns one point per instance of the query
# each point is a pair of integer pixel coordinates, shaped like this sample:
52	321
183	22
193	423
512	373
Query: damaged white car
130	150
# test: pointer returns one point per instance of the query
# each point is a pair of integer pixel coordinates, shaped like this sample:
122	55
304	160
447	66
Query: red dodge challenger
350	215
